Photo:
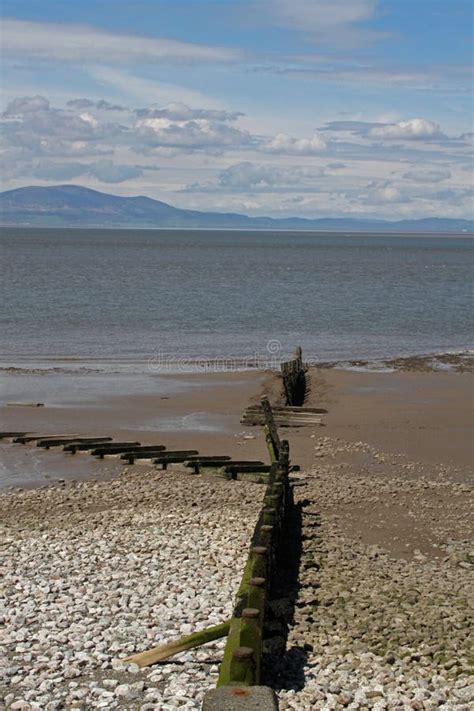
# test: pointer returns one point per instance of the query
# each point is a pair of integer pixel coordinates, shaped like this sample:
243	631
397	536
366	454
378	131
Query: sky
315	108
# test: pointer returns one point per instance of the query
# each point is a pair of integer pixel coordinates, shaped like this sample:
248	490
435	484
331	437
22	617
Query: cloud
34	125
200	134
415	129
250	175
101	105
106	171
284	144
83	128
109	172
36	116
26	105
331	22
340	168
390	193
435	175
151	90
358	128
447	78
178	111
87	44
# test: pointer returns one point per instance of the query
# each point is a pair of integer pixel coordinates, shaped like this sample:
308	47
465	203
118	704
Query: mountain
75	206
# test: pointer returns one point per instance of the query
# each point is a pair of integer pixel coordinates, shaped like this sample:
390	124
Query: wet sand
423	416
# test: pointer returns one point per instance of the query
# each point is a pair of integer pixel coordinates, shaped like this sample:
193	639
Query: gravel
96	571
381	611
379	626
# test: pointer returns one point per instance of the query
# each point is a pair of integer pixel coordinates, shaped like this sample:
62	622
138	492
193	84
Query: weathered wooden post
271	432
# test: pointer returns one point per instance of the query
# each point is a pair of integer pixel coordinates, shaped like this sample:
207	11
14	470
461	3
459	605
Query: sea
173	300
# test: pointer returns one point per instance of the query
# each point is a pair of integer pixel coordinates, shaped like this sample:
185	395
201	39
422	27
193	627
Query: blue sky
280	107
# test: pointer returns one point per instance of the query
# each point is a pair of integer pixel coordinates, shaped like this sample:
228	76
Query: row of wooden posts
241	664
157	454
295	388
293	373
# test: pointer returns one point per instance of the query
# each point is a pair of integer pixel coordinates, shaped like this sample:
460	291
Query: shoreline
430	416
456	357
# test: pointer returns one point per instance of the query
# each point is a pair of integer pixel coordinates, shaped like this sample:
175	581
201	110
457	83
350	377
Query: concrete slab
240	698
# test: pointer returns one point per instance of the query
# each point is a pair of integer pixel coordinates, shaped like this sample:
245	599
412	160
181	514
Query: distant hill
75	206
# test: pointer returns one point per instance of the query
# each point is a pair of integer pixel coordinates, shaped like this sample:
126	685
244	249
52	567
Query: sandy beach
379	616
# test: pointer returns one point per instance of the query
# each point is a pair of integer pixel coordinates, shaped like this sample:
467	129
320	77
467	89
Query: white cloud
282	143
314	14
33	124
101	105
247	175
84	43
334	22
106	171
150	90
178	111
390	193
435	175
195	134
446	78
413	129
94	142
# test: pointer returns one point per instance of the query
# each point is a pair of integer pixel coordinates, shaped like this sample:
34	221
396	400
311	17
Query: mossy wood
271	432
241	663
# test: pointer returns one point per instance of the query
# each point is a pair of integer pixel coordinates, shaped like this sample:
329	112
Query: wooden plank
25	404
159	654
202	462
283	422
25	439
135	454
114	448
47	443
282	416
258	468
186	453
86	446
288	408
201	459
9	435
174	457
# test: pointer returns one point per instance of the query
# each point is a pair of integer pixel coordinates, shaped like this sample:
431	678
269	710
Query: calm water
130	296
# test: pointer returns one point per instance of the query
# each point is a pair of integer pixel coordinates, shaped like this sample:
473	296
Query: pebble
378	631
99	571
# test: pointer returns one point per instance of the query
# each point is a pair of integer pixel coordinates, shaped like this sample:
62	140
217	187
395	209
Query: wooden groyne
239	682
293	373
133	452
290	411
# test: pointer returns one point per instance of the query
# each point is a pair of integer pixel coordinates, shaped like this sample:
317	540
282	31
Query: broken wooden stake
164	651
